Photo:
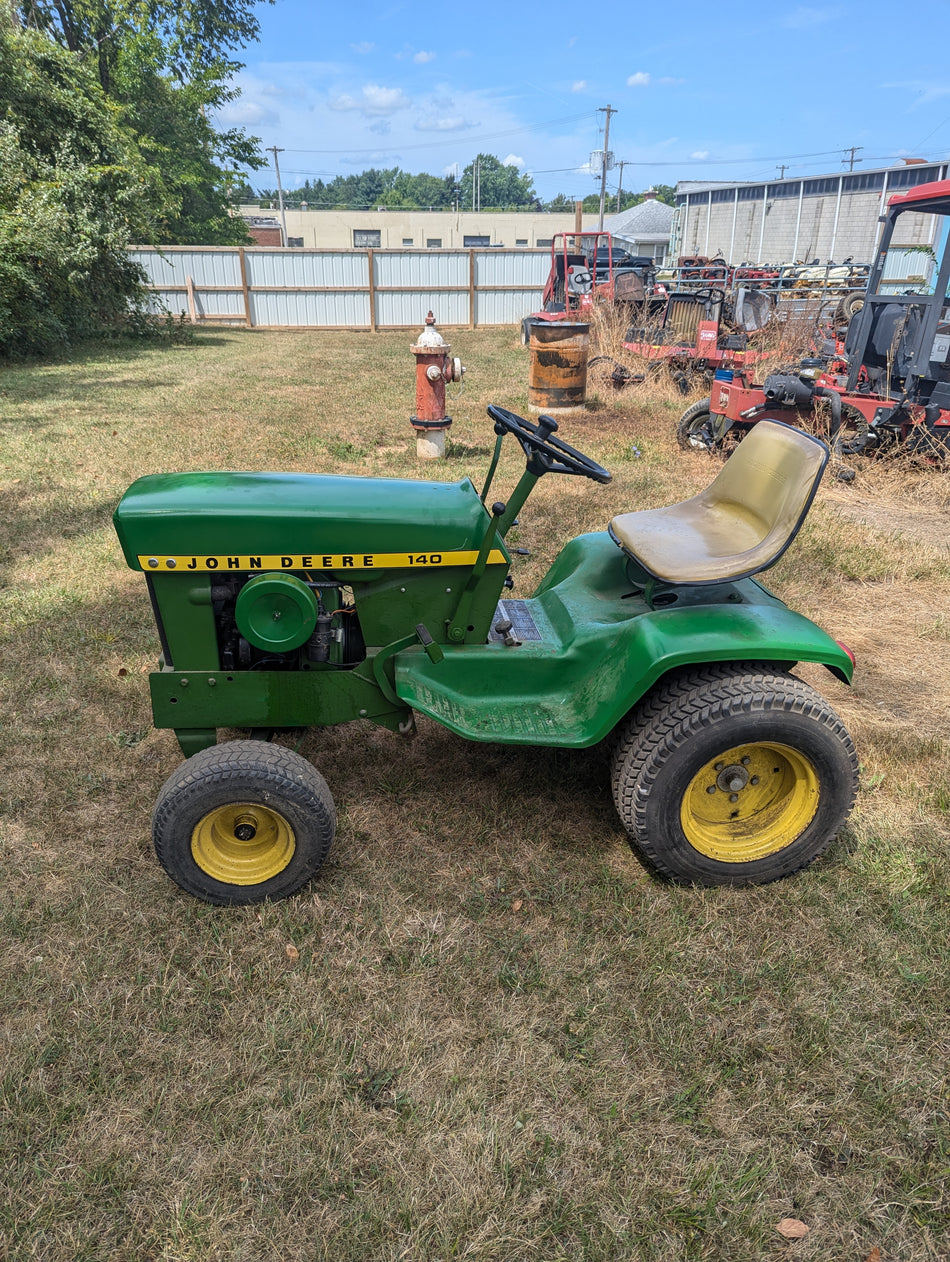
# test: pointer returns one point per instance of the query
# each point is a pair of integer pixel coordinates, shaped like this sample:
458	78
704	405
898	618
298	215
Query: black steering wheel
546	454
709	295
579	280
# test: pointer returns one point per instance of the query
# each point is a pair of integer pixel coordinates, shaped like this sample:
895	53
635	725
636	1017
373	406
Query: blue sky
727	91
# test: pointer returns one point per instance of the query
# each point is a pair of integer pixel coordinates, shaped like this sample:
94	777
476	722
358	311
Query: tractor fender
573	686
670	639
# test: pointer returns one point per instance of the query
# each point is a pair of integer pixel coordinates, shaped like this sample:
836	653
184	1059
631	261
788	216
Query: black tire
855	435
700	815
526	331
851	305
681	380
694	433
277	799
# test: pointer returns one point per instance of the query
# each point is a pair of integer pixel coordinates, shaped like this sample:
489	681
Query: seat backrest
770	479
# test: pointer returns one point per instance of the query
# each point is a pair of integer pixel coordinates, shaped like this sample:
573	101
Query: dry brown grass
501	1039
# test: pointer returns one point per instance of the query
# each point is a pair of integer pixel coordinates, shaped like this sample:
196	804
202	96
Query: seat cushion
739	525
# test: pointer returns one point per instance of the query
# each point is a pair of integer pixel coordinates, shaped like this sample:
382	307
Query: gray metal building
828	217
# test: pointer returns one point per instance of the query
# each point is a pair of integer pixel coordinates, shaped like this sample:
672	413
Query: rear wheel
244	821
855	434
850	305
732	775
694	431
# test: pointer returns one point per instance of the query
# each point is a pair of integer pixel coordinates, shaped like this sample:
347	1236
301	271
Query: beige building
413	229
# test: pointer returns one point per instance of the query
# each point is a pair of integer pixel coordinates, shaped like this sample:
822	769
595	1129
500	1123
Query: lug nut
711	789
733	797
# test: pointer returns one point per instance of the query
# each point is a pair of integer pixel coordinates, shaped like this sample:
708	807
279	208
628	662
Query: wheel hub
243	843
751	801
732	778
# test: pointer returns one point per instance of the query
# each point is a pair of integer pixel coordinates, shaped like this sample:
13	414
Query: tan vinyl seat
739	525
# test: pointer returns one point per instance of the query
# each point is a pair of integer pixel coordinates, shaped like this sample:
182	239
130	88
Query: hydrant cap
430	336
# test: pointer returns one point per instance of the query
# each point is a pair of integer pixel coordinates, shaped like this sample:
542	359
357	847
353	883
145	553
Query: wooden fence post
245	287
372	292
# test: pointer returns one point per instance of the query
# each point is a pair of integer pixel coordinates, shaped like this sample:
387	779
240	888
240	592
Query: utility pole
608	110
280	195
781	170
851	160
620	182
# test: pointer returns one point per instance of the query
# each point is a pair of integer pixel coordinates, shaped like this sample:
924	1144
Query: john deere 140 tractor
288	600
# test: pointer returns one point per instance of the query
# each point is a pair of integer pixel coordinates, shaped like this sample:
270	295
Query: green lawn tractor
288	601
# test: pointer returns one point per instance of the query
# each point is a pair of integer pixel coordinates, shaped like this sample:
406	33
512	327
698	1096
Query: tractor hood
233	520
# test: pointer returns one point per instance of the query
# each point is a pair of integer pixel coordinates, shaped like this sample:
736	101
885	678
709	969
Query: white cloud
512	161
421	58
700	154
638	80
364	48
374	101
579	86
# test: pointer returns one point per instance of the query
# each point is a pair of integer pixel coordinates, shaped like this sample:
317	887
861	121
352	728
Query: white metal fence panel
309	309
509	284
360	289
911	268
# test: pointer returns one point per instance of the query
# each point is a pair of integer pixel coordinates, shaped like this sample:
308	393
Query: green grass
500	1038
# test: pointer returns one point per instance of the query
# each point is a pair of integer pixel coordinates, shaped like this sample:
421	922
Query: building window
544	243
723	195
869	181
820	188
912	176
471	243
753	194
367	238
788	188
521	240
433	243
407	241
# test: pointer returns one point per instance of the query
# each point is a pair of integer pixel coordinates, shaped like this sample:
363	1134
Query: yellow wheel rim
749	802
243	843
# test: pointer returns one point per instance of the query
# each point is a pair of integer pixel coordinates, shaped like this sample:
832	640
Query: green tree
74	191
498	187
167	63
562	204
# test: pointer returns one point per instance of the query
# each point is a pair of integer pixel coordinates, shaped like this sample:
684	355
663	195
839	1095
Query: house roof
647	221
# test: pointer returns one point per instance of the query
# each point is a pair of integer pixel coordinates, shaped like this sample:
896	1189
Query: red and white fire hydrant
434	368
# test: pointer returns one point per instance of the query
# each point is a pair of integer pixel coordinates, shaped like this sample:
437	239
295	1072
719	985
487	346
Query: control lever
504	629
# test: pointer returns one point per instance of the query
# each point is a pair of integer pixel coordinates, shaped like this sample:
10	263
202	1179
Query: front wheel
732	775
244	821
694	431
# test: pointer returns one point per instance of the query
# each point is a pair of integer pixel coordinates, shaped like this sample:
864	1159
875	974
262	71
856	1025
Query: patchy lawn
497	1037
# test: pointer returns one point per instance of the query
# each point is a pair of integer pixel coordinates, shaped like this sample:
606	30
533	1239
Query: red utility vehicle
592	266
892	386
690	339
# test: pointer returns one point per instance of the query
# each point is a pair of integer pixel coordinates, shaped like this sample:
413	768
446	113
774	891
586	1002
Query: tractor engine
794	389
284	621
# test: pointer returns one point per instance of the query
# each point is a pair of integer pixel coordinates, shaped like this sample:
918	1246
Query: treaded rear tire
681	727
284	787
696	416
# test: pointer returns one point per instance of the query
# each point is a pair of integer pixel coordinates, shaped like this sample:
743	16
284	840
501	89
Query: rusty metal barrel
557	370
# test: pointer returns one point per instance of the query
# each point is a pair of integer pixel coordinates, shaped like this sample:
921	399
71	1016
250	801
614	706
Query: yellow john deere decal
318	561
